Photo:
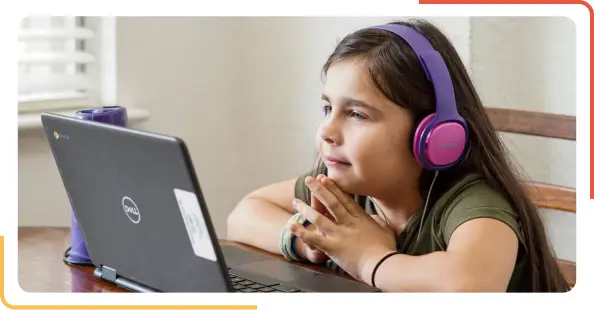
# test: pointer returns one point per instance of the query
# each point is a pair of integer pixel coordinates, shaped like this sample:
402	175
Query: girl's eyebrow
351	102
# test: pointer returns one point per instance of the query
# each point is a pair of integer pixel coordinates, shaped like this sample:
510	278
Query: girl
388	205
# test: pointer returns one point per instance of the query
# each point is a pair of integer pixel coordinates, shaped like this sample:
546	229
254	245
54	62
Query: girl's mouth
333	161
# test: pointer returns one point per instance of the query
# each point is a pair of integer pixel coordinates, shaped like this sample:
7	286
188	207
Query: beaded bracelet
287	239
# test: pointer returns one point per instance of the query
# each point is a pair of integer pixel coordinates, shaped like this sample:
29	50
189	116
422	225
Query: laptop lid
138	204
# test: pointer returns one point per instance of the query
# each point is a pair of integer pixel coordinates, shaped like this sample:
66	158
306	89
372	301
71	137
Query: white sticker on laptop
195	224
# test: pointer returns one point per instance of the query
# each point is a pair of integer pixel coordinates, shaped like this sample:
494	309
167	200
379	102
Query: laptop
146	224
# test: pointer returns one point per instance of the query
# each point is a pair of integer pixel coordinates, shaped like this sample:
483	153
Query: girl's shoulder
470	198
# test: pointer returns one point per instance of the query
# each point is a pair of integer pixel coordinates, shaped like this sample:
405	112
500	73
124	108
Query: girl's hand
353	240
308	251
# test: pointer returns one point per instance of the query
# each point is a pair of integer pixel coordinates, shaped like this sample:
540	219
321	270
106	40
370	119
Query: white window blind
54	61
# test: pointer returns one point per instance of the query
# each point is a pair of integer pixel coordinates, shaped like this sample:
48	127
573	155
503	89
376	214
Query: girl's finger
330	201
315	202
345	200
309	237
322	223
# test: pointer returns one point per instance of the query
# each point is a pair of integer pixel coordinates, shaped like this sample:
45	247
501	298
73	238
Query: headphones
441	138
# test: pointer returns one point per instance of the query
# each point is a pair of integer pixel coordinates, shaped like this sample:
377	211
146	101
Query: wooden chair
546	125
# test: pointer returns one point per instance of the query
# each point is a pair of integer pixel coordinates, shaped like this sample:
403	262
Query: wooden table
41	268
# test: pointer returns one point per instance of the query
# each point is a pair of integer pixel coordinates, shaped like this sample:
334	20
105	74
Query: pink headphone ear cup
416	141
446	144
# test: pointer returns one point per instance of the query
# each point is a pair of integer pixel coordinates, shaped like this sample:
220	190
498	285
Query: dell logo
131	210
448	145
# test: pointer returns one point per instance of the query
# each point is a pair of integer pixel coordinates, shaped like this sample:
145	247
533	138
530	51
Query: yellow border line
111	307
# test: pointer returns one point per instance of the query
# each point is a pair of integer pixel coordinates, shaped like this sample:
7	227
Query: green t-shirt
468	199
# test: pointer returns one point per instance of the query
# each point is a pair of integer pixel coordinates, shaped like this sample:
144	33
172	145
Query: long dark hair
397	73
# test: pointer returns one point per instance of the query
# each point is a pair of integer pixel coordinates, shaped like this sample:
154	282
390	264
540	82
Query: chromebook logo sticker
57	135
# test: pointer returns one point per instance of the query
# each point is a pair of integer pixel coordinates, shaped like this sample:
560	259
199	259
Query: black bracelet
379	263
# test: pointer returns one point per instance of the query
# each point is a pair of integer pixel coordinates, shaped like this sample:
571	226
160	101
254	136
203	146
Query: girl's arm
260	217
480	257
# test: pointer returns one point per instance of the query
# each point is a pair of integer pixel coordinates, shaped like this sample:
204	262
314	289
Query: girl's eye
358	116
327	109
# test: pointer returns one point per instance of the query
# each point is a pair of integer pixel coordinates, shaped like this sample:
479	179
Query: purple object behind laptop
77	253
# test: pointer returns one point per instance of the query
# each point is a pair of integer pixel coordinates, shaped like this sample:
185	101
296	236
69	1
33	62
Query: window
59	63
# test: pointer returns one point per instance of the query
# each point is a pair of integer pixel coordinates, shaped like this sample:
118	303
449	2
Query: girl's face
364	138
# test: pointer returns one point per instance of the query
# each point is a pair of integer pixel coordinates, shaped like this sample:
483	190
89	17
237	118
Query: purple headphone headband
435	70
441	137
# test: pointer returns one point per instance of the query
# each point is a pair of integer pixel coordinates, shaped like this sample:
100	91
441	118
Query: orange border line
111	307
584	3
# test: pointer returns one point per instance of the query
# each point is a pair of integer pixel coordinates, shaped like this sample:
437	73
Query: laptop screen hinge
108	274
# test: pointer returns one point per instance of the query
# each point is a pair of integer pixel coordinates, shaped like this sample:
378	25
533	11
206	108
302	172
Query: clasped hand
349	236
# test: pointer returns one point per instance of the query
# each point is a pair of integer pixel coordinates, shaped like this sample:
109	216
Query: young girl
392	202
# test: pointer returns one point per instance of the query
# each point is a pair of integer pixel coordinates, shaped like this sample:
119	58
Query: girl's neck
397	209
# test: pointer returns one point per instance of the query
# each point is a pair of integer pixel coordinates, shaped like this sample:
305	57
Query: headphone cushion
417	137
444	145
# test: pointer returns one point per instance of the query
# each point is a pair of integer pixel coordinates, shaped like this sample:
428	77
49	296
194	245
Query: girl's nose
330	131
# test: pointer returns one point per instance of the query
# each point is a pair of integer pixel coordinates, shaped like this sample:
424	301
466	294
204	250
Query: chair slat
533	123
551	196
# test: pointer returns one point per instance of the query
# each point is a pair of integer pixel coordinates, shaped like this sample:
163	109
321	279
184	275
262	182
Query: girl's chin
345	181
338	175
